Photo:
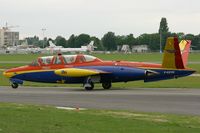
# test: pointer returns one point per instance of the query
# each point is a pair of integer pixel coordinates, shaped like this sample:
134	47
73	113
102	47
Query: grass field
18	118
187	82
130	57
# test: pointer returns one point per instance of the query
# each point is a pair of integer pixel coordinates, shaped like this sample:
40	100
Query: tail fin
176	54
51	44
185	49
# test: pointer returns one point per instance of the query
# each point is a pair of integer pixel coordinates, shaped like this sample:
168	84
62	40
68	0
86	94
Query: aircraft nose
5	74
14	71
8	74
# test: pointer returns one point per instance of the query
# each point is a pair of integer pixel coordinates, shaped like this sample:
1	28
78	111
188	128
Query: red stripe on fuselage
102	63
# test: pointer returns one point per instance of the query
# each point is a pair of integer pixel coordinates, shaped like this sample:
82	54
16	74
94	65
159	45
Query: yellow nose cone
8	74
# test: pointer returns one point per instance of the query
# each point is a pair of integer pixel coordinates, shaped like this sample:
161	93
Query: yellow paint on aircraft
182	44
9	74
75	72
169	54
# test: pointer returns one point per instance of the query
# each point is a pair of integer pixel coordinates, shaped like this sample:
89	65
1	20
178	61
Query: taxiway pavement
172	100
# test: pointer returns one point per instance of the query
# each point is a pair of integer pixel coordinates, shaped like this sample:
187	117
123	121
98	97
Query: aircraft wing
78	72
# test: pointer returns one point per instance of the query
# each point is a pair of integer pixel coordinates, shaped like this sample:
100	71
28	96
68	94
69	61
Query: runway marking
195	75
157	118
70	108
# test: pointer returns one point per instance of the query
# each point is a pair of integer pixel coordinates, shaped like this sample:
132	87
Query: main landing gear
89	85
107	85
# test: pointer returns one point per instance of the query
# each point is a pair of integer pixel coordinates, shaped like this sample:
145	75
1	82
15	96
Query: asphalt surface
176	101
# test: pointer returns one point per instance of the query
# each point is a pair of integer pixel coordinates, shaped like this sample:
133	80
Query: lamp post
160	42
43	30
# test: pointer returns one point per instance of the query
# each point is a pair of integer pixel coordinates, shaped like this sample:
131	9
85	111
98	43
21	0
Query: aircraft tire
91	86
107	85
14	85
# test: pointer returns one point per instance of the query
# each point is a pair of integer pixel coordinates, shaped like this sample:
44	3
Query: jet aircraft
88	70
53	48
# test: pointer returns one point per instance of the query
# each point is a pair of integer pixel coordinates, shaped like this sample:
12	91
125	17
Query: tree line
110	40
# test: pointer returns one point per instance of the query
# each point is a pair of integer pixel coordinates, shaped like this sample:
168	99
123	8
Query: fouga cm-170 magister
88	70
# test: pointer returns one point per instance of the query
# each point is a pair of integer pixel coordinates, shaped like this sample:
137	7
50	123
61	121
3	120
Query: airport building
8	38
140	48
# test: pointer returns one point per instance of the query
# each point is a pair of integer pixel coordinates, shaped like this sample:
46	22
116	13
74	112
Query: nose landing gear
14	85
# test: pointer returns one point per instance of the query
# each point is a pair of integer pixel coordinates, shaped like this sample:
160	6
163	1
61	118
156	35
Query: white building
140	48
8	38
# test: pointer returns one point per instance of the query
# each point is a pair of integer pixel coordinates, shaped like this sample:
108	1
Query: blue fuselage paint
164	74
114	74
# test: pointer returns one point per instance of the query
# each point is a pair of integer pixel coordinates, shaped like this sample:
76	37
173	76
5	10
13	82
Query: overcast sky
97	17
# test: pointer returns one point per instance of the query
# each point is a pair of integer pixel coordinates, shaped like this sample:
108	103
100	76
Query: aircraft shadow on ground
99	89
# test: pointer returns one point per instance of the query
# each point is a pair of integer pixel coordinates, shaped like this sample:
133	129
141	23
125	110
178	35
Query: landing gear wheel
89	86
107	85
14	85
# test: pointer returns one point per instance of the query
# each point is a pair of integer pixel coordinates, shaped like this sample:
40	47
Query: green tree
71	41
60	41
144	39
82	39
44	42
195	41
120	40
163	31
109	41
125	39
32	40
189	36
130	40
180	35
154	41
36	42
163	26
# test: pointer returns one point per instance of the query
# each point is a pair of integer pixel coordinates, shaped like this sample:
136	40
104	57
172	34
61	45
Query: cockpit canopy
64	60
